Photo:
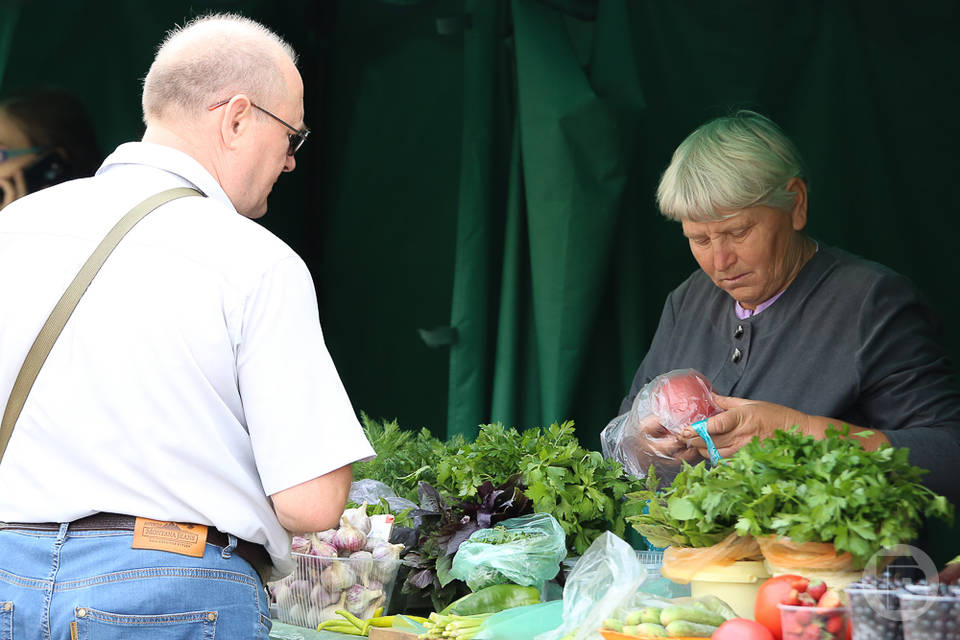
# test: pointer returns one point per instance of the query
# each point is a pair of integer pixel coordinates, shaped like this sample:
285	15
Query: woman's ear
798	214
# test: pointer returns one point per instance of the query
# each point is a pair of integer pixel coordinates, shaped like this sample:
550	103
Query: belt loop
227	551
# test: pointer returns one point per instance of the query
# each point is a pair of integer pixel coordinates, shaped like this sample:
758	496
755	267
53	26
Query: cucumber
613	624
651	629
650	614
716	605
690	614
686	629
632	618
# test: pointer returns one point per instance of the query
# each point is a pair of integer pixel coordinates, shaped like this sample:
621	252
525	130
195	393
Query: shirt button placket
737	353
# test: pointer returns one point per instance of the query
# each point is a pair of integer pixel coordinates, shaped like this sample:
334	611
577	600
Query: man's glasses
6	154
296	138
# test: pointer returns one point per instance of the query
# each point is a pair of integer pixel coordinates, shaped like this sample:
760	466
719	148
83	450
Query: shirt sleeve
300	420
907	384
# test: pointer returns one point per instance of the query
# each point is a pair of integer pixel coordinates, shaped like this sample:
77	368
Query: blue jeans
50	579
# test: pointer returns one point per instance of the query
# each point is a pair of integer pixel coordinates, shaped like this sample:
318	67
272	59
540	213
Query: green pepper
493	599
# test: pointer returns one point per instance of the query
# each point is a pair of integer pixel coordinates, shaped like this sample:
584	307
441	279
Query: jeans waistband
253	553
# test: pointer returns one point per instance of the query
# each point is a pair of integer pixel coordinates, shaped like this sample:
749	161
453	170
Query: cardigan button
736	356
739	332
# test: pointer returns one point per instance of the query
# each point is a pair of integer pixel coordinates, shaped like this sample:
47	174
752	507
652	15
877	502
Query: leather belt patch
176	537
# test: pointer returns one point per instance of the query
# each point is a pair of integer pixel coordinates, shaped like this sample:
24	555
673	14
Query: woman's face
11	170
754	254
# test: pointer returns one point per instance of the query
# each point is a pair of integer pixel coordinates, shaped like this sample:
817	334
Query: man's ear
798	214
237	119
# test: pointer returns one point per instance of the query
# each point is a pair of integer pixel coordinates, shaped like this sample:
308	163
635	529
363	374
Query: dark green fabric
497	177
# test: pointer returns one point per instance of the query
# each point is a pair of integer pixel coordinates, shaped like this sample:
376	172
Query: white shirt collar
170	160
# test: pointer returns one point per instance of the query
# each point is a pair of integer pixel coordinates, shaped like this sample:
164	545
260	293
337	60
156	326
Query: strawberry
830	598
806	600
800	584
793	598
835	623
816	589
804	616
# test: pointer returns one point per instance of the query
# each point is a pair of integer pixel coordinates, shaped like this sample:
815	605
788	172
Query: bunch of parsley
580	488
404	457
832	490
791	485
699	509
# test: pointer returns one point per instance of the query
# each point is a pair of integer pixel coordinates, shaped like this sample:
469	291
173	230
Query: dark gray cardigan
848	339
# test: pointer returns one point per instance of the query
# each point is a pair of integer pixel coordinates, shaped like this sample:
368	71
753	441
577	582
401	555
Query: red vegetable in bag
680	398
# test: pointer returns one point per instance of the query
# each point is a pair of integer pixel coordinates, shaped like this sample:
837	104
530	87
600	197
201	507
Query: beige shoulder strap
68	301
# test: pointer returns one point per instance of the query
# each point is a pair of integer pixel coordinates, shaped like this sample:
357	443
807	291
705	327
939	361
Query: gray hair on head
212	58
728	164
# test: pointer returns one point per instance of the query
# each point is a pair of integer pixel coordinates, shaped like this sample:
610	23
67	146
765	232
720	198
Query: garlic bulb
349	539
359	597
386	559
300	544
357	517
362	563
323	536
337	577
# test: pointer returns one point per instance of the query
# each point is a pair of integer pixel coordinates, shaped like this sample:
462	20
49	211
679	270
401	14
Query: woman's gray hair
728	164
212	58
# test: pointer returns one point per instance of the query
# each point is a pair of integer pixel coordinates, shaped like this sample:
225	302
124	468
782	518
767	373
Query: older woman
46	138
812	335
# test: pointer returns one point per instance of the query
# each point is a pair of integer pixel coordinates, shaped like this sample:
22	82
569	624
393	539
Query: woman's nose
723	257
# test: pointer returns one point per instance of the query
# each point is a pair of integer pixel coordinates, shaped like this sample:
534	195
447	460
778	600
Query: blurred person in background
46	137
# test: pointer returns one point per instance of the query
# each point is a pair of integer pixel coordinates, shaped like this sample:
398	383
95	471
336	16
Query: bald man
189	417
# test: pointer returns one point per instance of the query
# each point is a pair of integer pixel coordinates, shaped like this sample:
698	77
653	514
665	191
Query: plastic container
930	616
806	623
736	584
874	613
656	584
320	585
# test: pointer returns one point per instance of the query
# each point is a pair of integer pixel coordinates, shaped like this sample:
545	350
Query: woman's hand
12	186
741	420
652	441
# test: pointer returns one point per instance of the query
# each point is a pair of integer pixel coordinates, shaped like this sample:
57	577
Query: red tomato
683	399
741	629
772	592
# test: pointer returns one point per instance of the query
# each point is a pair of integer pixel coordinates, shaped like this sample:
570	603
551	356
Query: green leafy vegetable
580	488
792	485
832	490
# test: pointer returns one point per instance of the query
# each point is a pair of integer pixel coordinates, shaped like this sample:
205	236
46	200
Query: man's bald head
210	59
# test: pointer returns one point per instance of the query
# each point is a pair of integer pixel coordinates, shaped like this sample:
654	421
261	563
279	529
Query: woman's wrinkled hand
651	440
740	421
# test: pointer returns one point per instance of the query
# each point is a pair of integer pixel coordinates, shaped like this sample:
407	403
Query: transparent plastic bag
648	433
605	579
371	491
532	555
680	564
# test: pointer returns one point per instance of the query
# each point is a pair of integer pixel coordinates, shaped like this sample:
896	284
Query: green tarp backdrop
476	201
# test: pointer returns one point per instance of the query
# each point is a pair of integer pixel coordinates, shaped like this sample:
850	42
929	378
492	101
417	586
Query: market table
282	631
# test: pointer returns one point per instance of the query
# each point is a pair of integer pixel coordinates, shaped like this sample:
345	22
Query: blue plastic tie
701	428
